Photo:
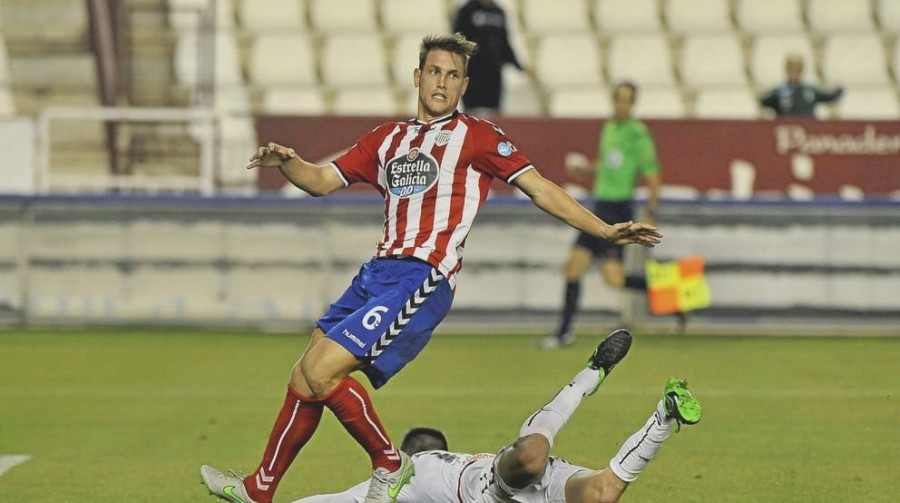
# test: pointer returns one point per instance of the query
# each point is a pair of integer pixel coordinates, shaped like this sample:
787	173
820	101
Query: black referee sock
636	282
570	307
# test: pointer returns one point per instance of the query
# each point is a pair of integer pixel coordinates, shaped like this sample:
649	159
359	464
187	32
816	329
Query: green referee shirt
626	149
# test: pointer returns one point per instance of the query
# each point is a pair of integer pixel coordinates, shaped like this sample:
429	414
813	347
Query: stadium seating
830	16
64	22
4	63
854	59
644	59
869	102
675	47
541	17
281	60
726	103
588	102
184	15
617	16
698	16
294	101
405	59
781	16
569	60
7	105
365	101
227	62
520	96
344	15
888	12
511	7
423	16
896	64
660	103
767	57
712	60
344	64
258	17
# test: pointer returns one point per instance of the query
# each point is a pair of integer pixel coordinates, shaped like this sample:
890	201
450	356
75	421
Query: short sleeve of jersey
648	162
496	154
360	163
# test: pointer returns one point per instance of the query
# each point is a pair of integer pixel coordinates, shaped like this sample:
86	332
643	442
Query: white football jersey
443	477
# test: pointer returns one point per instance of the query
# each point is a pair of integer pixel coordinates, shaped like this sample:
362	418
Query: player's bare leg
613	272
323	373
322	367
577	264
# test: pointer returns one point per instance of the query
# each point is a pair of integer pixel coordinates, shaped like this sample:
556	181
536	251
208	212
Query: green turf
129	417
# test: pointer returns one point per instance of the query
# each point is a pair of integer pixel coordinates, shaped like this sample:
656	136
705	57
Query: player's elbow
531	455
318	188
315	192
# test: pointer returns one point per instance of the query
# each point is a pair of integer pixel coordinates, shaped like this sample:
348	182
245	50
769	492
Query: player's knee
605	487
318	378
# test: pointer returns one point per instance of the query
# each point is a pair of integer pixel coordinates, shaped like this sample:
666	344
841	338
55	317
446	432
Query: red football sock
351	404
298	419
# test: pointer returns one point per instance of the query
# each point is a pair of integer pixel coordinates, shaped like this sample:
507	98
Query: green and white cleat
609	353
384	487
680	404
227	487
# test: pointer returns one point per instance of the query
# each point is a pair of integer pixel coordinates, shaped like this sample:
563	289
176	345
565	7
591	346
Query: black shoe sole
612	350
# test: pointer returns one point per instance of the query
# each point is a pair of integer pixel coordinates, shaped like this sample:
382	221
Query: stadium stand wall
228	262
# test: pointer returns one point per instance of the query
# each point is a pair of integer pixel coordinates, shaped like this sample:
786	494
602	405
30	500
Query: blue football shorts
387	314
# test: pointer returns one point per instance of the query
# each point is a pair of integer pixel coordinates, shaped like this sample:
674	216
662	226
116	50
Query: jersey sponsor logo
506	148
373	318
615	158
411	173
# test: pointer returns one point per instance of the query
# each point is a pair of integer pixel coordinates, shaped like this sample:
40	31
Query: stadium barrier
725	159
819	267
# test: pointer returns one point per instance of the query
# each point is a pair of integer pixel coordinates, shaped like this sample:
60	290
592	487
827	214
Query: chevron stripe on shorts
409	309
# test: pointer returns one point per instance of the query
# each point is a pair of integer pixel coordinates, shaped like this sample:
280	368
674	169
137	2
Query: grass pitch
129	416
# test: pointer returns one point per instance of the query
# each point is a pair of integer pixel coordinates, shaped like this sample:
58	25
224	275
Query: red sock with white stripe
351	404
298	419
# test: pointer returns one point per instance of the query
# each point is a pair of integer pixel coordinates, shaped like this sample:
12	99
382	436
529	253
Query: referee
626	154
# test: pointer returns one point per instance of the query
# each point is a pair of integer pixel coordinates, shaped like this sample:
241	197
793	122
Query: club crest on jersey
411	173
443	138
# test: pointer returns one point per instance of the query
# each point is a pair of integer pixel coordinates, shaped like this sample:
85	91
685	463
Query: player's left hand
631	233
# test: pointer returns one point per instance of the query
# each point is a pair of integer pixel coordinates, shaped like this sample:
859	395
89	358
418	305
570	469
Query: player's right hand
271	156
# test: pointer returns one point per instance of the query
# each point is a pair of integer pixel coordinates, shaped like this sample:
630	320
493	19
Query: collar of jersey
435	121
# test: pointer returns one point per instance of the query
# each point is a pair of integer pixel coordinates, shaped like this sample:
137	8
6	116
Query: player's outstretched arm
313	179
549	197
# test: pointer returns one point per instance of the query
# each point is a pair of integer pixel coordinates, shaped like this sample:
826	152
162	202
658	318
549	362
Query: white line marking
7	462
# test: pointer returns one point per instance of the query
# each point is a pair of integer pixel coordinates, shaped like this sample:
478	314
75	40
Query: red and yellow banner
677	287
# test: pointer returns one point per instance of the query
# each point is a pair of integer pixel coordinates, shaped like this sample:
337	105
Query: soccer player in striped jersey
524	471
433	172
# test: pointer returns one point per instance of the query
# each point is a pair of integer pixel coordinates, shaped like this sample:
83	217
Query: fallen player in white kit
524	472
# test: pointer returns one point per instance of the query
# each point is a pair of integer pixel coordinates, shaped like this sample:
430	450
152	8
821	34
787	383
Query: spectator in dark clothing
794	98
484	22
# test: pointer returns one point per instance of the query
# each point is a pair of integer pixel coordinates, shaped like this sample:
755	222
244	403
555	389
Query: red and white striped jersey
434	178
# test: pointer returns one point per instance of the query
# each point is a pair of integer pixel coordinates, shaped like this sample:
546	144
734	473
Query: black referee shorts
611	212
